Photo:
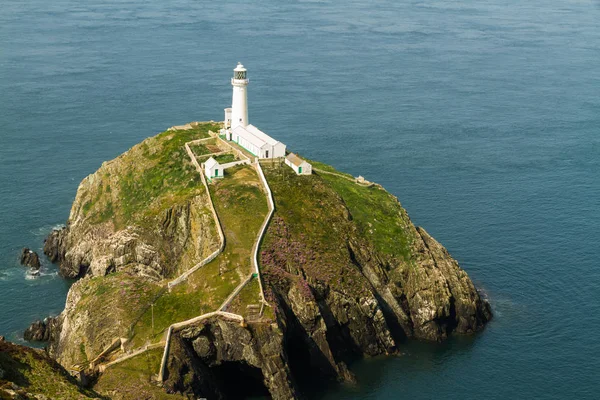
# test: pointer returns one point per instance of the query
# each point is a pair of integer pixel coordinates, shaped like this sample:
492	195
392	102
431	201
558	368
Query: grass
308	234
225	158
115	302
329	168
378	215
241	207
204	148
140	187
145	181
319	219
220	158
37	374
212	285
249	295
133	379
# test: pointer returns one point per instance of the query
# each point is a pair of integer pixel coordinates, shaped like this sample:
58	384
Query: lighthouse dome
239	72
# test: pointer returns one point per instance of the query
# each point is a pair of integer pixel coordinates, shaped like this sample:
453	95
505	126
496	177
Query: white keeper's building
237	128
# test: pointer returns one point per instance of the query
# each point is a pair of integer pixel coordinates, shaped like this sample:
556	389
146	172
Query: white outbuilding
212	169
300	166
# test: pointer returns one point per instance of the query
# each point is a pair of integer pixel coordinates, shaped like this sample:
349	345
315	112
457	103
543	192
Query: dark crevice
240	380
305	358
396	329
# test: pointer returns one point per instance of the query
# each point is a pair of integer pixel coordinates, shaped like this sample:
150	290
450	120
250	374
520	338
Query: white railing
263	227
235	292
163	364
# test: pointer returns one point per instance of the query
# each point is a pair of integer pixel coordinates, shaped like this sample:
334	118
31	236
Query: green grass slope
26	373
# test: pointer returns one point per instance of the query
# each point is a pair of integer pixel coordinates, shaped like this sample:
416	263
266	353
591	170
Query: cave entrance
240	380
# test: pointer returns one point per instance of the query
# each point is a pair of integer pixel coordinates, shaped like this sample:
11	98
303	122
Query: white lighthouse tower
239	102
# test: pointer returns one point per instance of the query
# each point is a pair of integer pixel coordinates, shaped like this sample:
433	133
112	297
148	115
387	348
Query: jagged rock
253	357
55	244
40	331
29	258
203	347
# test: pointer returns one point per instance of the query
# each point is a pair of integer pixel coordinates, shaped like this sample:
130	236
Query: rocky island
252	284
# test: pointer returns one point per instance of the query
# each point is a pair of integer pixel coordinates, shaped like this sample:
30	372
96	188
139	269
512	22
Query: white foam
30	276
46	229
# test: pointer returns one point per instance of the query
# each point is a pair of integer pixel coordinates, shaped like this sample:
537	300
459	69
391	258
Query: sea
483	117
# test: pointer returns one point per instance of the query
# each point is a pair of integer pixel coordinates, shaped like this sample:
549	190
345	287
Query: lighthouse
239	102
236	128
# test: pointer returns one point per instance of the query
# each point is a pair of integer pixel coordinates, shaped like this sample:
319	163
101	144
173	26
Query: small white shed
300	166
212	169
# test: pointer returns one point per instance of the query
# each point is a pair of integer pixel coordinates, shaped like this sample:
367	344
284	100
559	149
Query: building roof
294	159
261	135
243	132
255	136
211	162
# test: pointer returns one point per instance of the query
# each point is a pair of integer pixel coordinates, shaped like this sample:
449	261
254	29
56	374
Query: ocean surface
483	117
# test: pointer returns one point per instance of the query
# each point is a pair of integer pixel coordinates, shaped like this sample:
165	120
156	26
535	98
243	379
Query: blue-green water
482	117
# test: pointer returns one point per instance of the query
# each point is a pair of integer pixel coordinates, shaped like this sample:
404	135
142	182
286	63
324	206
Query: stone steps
253	312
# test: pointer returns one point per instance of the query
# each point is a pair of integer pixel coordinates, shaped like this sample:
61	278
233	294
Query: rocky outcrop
346	273
55	245
41	331
223	360
29	258
341	292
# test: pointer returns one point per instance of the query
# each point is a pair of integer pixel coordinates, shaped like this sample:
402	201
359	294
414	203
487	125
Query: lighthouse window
240	74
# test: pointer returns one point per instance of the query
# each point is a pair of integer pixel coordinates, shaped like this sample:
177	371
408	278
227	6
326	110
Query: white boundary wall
263	228
163	364
211	257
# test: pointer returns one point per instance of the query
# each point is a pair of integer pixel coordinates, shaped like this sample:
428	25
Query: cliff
345	273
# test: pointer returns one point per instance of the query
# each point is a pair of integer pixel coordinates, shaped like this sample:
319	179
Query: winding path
220	311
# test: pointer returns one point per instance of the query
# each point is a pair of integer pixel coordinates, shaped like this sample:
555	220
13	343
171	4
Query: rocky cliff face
223	360
345	271
125	236
351	276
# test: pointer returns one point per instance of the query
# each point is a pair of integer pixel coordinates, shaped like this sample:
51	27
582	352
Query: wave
46	229
42	273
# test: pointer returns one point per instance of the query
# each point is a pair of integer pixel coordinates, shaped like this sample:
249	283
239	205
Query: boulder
40	331
55	246
30	259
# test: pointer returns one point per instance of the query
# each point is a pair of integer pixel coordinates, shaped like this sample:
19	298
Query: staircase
252	312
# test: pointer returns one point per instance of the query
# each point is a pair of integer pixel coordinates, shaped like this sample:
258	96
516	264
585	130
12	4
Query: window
299	170
267	154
